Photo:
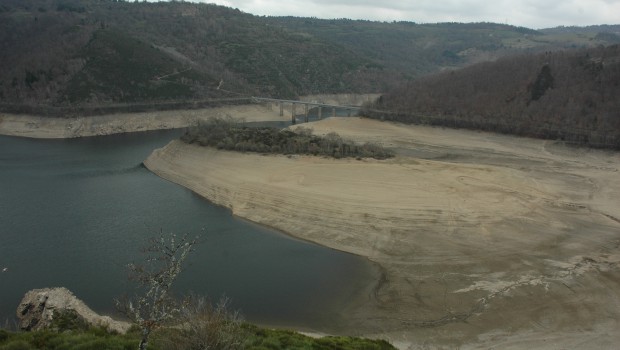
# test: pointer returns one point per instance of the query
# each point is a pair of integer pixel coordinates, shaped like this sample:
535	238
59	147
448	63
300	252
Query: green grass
256	338
91	339
273	339
70	332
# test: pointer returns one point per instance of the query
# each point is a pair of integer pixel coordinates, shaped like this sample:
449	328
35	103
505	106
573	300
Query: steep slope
59	52
104	52
416	49
567	95
120	68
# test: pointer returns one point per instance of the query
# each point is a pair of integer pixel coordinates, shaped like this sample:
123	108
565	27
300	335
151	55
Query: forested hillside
99	54
571	95
67	52
414	49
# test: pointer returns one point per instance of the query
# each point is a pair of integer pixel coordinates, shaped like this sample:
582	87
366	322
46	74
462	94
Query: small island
233	135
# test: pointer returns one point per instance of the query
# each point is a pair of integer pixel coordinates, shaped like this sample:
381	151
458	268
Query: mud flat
484	240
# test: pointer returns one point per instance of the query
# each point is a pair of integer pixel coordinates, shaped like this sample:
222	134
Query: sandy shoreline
48	127
44	127
486	240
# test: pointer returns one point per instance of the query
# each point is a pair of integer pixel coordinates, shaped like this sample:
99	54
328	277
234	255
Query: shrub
203	325
17	345
230	135
68	320
274	339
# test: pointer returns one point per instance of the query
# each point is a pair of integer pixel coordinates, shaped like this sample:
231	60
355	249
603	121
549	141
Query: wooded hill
101	54
571	95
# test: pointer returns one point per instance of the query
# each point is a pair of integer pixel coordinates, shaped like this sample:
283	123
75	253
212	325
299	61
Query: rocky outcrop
37	308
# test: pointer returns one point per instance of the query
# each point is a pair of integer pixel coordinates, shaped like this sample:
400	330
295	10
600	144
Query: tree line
231	135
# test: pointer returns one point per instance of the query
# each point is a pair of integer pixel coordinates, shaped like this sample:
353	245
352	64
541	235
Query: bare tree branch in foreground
154	305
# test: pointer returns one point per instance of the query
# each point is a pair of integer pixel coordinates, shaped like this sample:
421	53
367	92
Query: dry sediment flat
484	240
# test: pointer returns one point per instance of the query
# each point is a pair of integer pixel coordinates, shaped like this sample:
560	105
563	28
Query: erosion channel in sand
484	240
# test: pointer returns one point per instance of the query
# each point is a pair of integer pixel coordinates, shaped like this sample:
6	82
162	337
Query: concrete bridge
306	106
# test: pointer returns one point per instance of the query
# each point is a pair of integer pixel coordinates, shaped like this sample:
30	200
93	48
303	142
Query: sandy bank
485	240
43	127
47	127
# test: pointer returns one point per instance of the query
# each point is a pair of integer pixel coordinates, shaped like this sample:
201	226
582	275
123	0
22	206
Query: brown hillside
567	95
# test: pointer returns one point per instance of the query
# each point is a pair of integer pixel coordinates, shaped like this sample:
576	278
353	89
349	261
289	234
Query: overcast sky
535	14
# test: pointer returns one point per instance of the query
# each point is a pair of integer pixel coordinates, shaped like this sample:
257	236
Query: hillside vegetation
91	54
253	338
566	95
67	52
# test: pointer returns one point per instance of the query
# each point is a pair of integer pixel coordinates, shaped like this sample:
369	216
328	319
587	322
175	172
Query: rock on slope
37	308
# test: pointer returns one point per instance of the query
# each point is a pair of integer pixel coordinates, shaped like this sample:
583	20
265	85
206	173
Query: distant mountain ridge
68	53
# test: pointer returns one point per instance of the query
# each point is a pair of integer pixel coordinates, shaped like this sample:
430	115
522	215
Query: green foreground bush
90	339
229	135
263	339
254	338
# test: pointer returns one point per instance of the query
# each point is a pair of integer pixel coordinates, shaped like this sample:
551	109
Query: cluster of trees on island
227	134
570	96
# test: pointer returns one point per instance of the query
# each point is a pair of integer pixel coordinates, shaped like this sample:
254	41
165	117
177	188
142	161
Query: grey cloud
528	13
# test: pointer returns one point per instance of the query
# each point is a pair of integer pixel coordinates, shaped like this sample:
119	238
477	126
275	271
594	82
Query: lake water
74	212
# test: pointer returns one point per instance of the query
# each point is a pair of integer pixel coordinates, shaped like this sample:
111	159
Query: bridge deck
316	104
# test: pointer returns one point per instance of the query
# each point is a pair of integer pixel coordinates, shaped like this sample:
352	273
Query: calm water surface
74	212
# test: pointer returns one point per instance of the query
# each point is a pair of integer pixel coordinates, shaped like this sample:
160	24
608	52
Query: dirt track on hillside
484	240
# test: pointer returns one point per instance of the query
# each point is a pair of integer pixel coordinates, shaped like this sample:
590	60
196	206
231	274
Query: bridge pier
350	110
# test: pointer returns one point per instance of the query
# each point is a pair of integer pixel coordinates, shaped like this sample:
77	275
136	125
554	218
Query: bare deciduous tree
154	304
203	325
